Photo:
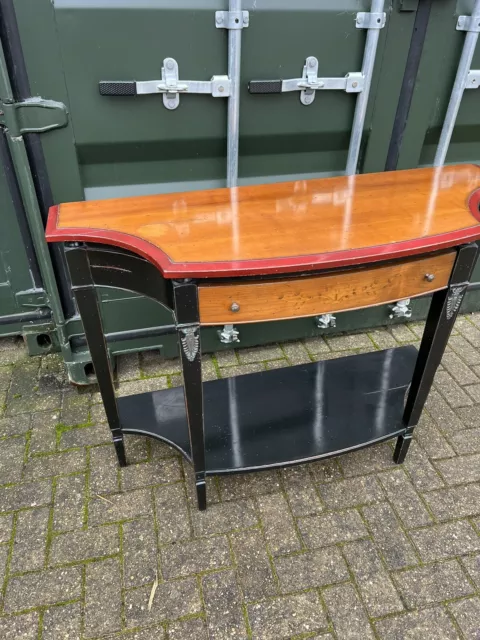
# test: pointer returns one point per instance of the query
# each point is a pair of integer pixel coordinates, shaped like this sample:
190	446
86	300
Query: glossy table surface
285	227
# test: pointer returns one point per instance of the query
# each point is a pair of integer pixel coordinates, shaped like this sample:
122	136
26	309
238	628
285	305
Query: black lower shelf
284	416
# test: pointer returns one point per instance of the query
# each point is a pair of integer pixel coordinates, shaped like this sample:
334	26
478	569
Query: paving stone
429	623
181	560
277	364
382	339
25	495
103	599
421	472
24	377
145	385
473	391
405	499
12	350
75	408
62	623
310	570
103	470
301	492
139	552
432	583
127	366
152	633
55	464
193	629
172	600
213	493
16	425
254	572
43	437
316	345
376	587
347	613
152	363
464	349
454	502
241	370
472	565
121	506
225	617
76	546
351	492
41	402
69	504
260	354
152	473
326	471
349	341
13	452
6	524
458	369
367	460
43	588
224	517
4	550
285	616
137	449
228	358
249	485
446	540
85	436
467	615
97	414
173	519
278	524
443	415
5	377
389	538
52	374
330	528
460	471
20	627
468	331
452	392
467	441
403	333
295	352
431	439
30	540
470	418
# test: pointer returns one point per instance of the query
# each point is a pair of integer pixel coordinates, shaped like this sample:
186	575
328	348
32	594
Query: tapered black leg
87	301
188	330
440	320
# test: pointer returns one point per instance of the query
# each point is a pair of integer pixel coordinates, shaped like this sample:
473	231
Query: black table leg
87	301
440	320
188	331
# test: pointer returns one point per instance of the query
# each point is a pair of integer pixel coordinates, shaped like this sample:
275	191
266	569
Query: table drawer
284	298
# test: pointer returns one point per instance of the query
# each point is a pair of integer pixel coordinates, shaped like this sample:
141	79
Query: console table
271	252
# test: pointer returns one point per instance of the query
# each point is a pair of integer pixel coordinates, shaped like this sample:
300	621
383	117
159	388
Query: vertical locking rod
234	56
464	67
362	99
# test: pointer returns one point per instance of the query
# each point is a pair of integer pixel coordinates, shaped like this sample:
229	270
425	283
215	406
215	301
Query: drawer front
309	296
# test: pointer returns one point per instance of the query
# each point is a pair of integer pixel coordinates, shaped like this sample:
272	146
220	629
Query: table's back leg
87	301
440	320
188	331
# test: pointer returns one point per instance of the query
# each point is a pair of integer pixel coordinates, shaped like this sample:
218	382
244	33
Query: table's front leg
188	330
440	320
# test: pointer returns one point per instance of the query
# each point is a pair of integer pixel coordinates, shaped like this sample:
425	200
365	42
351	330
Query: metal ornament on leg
190	342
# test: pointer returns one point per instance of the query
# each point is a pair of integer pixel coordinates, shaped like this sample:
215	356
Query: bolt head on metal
221	89
235	307
311	63
354	84
170	64
429	277
219	19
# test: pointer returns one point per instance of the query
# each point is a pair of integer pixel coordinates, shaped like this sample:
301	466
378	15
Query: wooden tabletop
284	227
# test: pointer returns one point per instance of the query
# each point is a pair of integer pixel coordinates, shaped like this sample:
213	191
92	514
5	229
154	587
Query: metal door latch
229	334
325	321
33	115
309	83
468	23
473	80
401	309
170	86
232	19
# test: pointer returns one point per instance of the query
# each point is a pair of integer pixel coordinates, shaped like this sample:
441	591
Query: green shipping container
65	141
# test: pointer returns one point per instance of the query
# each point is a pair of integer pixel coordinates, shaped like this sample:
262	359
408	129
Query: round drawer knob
429	277
235	307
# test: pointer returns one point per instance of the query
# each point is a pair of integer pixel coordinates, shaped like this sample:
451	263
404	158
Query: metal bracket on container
309	83
229	334
232	19
170	86
473	80
401	309
33	115
365	20
468	23
325	321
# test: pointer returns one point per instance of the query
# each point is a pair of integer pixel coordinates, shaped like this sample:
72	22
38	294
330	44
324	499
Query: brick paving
354	547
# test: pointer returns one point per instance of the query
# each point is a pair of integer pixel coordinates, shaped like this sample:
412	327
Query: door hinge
33	115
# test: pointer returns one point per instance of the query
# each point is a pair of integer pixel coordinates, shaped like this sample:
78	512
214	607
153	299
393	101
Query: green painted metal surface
115	146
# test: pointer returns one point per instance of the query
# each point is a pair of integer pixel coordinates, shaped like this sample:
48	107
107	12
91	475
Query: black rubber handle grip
117	88
265	86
